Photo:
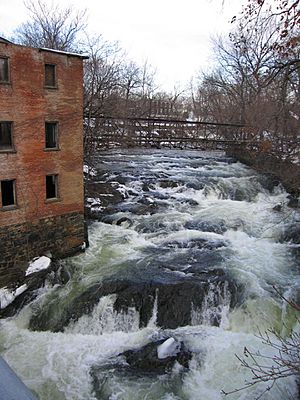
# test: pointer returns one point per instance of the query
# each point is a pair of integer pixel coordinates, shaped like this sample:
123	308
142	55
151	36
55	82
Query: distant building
41	155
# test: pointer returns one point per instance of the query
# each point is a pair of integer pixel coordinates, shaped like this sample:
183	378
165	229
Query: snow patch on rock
93	201
7	296
169	348
38	264
89	170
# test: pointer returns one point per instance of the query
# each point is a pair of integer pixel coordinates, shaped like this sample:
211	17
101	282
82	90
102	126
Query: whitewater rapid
189	198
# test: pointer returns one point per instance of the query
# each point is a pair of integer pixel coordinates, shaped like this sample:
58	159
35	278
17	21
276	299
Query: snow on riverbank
7	296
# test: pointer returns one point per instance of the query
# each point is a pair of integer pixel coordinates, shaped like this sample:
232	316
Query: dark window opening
8	193
51	135
50	75
5	135
51	186
4	71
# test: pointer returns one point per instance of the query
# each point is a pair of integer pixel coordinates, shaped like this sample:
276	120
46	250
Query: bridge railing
111	132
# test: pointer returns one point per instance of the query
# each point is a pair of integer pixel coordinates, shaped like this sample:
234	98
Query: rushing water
182	211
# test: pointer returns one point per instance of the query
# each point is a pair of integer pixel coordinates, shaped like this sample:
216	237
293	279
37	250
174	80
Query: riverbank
285	172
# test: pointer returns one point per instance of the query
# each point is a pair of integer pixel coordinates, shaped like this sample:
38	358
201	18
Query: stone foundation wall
61	235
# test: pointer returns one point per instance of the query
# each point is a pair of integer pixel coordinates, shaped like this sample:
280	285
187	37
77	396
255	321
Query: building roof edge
3	40
66	53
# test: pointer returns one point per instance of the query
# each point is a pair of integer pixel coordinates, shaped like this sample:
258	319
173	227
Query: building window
51	135
8	193
50	75
4	70
51	187
6	142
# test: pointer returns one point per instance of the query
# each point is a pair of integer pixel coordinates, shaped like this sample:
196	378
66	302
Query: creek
185	245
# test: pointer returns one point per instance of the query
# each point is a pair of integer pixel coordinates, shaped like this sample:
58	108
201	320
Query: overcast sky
172	35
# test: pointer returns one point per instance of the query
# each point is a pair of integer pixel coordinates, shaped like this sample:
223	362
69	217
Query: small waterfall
104	319
215	307
153	319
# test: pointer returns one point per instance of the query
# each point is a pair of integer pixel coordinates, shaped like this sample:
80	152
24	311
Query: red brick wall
27	103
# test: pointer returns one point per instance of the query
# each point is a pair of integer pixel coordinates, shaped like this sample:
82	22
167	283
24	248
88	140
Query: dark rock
107	194
269	181
175	295
134	208
55	274
198	260
159	196
197	243
239	195
146	359
124	220
93	213
209	274
292	234
108	219
168	184
196	185
145	200
147	186
150	208
191	202
119	179
277	208
293	202
114	220
206	226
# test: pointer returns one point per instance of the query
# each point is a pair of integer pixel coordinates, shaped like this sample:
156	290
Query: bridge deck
140	131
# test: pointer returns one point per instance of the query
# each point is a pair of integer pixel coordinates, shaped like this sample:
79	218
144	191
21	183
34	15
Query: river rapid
190	250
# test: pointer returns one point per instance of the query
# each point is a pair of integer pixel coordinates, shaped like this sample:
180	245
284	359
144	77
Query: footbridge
165	132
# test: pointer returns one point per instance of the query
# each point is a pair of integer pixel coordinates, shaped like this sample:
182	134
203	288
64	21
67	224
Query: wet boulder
277	208
168	296
99	196
166	184
147	186
124	221
28	288
133	207
116	220
269	181
206	226
294	202
292	234
158	357
199	243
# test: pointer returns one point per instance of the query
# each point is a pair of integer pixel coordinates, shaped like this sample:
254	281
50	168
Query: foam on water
187	235
221	370
57	365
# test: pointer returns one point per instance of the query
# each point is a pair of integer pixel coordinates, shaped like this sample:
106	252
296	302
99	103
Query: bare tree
255	85
115	91
101	80
51	26
285	12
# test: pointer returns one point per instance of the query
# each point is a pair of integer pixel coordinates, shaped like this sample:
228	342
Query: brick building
41	155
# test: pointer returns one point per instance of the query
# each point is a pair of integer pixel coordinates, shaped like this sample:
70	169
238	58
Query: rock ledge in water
175	296
158	357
